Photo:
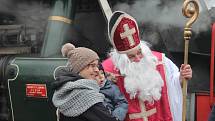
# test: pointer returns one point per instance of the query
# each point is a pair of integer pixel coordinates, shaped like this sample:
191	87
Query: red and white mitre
123	32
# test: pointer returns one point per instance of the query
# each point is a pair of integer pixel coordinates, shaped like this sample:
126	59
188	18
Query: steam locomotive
30	51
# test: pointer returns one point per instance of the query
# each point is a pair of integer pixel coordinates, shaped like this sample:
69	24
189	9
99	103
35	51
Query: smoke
33	14
163	14
210	3
6	6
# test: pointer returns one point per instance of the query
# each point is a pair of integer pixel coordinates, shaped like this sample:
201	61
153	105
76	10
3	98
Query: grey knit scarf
74	98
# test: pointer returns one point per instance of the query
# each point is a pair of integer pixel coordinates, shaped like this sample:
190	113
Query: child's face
100	78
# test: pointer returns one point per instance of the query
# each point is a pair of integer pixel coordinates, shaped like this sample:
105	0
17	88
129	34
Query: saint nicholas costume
159	98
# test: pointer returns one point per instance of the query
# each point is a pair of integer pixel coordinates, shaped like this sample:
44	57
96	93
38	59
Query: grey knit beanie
78	58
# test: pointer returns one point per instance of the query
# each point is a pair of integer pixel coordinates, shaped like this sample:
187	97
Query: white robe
174	89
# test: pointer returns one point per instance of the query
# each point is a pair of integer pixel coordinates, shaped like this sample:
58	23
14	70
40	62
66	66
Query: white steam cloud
165	15
33	14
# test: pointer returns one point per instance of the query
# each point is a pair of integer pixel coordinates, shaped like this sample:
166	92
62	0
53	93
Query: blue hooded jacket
114	100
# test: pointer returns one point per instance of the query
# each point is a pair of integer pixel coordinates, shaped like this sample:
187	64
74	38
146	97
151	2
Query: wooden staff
190	10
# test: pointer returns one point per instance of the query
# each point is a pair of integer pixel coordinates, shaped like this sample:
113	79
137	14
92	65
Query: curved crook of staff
190	10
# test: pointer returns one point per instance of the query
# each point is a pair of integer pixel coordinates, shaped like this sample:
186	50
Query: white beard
141	79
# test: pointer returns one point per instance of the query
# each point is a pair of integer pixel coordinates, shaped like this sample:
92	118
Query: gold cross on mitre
128	33
143	114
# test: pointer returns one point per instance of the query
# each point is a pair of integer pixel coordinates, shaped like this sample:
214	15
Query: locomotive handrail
212	66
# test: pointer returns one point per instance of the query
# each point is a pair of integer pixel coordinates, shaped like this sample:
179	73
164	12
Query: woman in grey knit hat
76	95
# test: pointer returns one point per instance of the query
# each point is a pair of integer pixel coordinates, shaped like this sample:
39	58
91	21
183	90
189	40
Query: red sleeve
109	66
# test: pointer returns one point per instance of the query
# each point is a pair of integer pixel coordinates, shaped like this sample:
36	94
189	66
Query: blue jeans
212	115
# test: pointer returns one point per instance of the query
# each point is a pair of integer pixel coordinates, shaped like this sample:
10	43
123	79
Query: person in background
76	95
149	80
114	99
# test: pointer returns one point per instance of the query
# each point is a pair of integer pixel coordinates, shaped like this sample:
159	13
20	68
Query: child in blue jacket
114	99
